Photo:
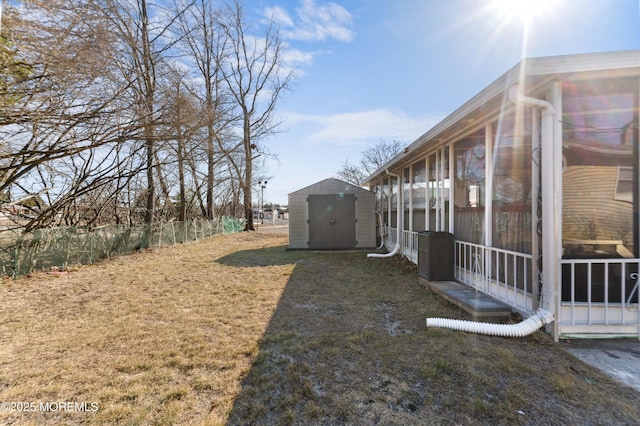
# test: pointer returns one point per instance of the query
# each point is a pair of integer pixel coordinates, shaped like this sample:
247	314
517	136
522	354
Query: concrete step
474	302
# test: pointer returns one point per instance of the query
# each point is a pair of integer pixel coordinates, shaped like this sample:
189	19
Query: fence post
15	260
91	234
173	232
65	249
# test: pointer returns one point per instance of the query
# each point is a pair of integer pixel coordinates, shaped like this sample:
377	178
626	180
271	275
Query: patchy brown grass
237	330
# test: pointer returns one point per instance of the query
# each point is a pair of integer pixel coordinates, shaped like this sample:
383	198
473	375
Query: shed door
332	221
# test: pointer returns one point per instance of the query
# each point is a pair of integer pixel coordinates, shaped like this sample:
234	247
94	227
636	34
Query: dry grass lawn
236	330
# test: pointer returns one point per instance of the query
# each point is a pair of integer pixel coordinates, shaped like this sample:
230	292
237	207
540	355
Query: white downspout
549	234
399	209
545	314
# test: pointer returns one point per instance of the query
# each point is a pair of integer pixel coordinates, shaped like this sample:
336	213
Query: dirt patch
237	330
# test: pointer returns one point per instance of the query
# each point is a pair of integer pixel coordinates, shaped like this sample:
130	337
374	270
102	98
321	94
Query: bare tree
352	173
255	77
92	123
372	159
183	120
142	45
61	107
205	45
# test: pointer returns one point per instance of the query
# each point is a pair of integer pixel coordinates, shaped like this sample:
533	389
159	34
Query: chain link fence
50	248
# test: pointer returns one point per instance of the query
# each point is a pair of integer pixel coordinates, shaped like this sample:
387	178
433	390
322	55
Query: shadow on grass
347	343
261	257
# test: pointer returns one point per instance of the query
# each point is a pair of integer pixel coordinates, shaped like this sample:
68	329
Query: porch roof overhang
531	74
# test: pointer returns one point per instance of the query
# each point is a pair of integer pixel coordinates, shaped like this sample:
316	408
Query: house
332	215
538	179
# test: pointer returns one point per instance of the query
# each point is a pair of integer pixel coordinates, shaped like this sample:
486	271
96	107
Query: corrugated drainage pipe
522	329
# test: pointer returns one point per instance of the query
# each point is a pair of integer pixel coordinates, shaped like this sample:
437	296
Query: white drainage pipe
400	209
522	329
392	253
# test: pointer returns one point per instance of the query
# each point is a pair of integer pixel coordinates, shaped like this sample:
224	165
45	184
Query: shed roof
530	73
331	186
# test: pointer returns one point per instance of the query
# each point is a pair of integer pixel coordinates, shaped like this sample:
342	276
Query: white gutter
549	189
399	211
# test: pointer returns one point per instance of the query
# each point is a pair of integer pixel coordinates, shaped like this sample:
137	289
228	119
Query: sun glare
524	9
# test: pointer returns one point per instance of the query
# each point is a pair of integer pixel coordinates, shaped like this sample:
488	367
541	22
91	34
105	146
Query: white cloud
362	127
296	58
279	16
313	22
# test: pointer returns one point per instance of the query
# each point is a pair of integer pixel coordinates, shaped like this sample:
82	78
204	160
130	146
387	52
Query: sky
385	70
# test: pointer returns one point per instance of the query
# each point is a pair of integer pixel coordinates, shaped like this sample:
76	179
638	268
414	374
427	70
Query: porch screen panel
419	195
406	197
433	191
386	191
600	184
378	189
599	138
445	191
393	186
511	201
512	181
470	189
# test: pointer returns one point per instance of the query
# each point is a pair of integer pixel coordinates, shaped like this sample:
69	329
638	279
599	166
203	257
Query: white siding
366	224
298	215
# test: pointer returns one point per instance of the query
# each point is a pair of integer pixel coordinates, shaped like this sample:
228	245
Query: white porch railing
600	296
409	247
503	274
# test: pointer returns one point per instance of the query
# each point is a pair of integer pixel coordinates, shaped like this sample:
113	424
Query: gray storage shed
332	215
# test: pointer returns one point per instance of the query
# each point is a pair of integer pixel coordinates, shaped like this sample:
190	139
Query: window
624	185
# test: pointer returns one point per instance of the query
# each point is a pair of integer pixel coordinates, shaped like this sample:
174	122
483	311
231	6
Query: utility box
435	255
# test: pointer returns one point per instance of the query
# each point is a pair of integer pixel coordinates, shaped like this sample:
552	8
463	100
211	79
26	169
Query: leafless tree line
127	111
372	159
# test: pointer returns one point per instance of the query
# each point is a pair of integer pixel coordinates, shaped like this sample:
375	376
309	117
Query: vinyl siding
604	219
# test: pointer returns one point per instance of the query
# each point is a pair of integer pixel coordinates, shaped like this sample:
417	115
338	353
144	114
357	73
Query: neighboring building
538	178
330	215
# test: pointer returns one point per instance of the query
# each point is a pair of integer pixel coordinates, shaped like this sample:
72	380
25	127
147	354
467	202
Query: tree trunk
151	193
247	187
182	212
210	168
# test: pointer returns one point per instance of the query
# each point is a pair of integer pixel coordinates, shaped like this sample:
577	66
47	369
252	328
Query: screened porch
484	184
